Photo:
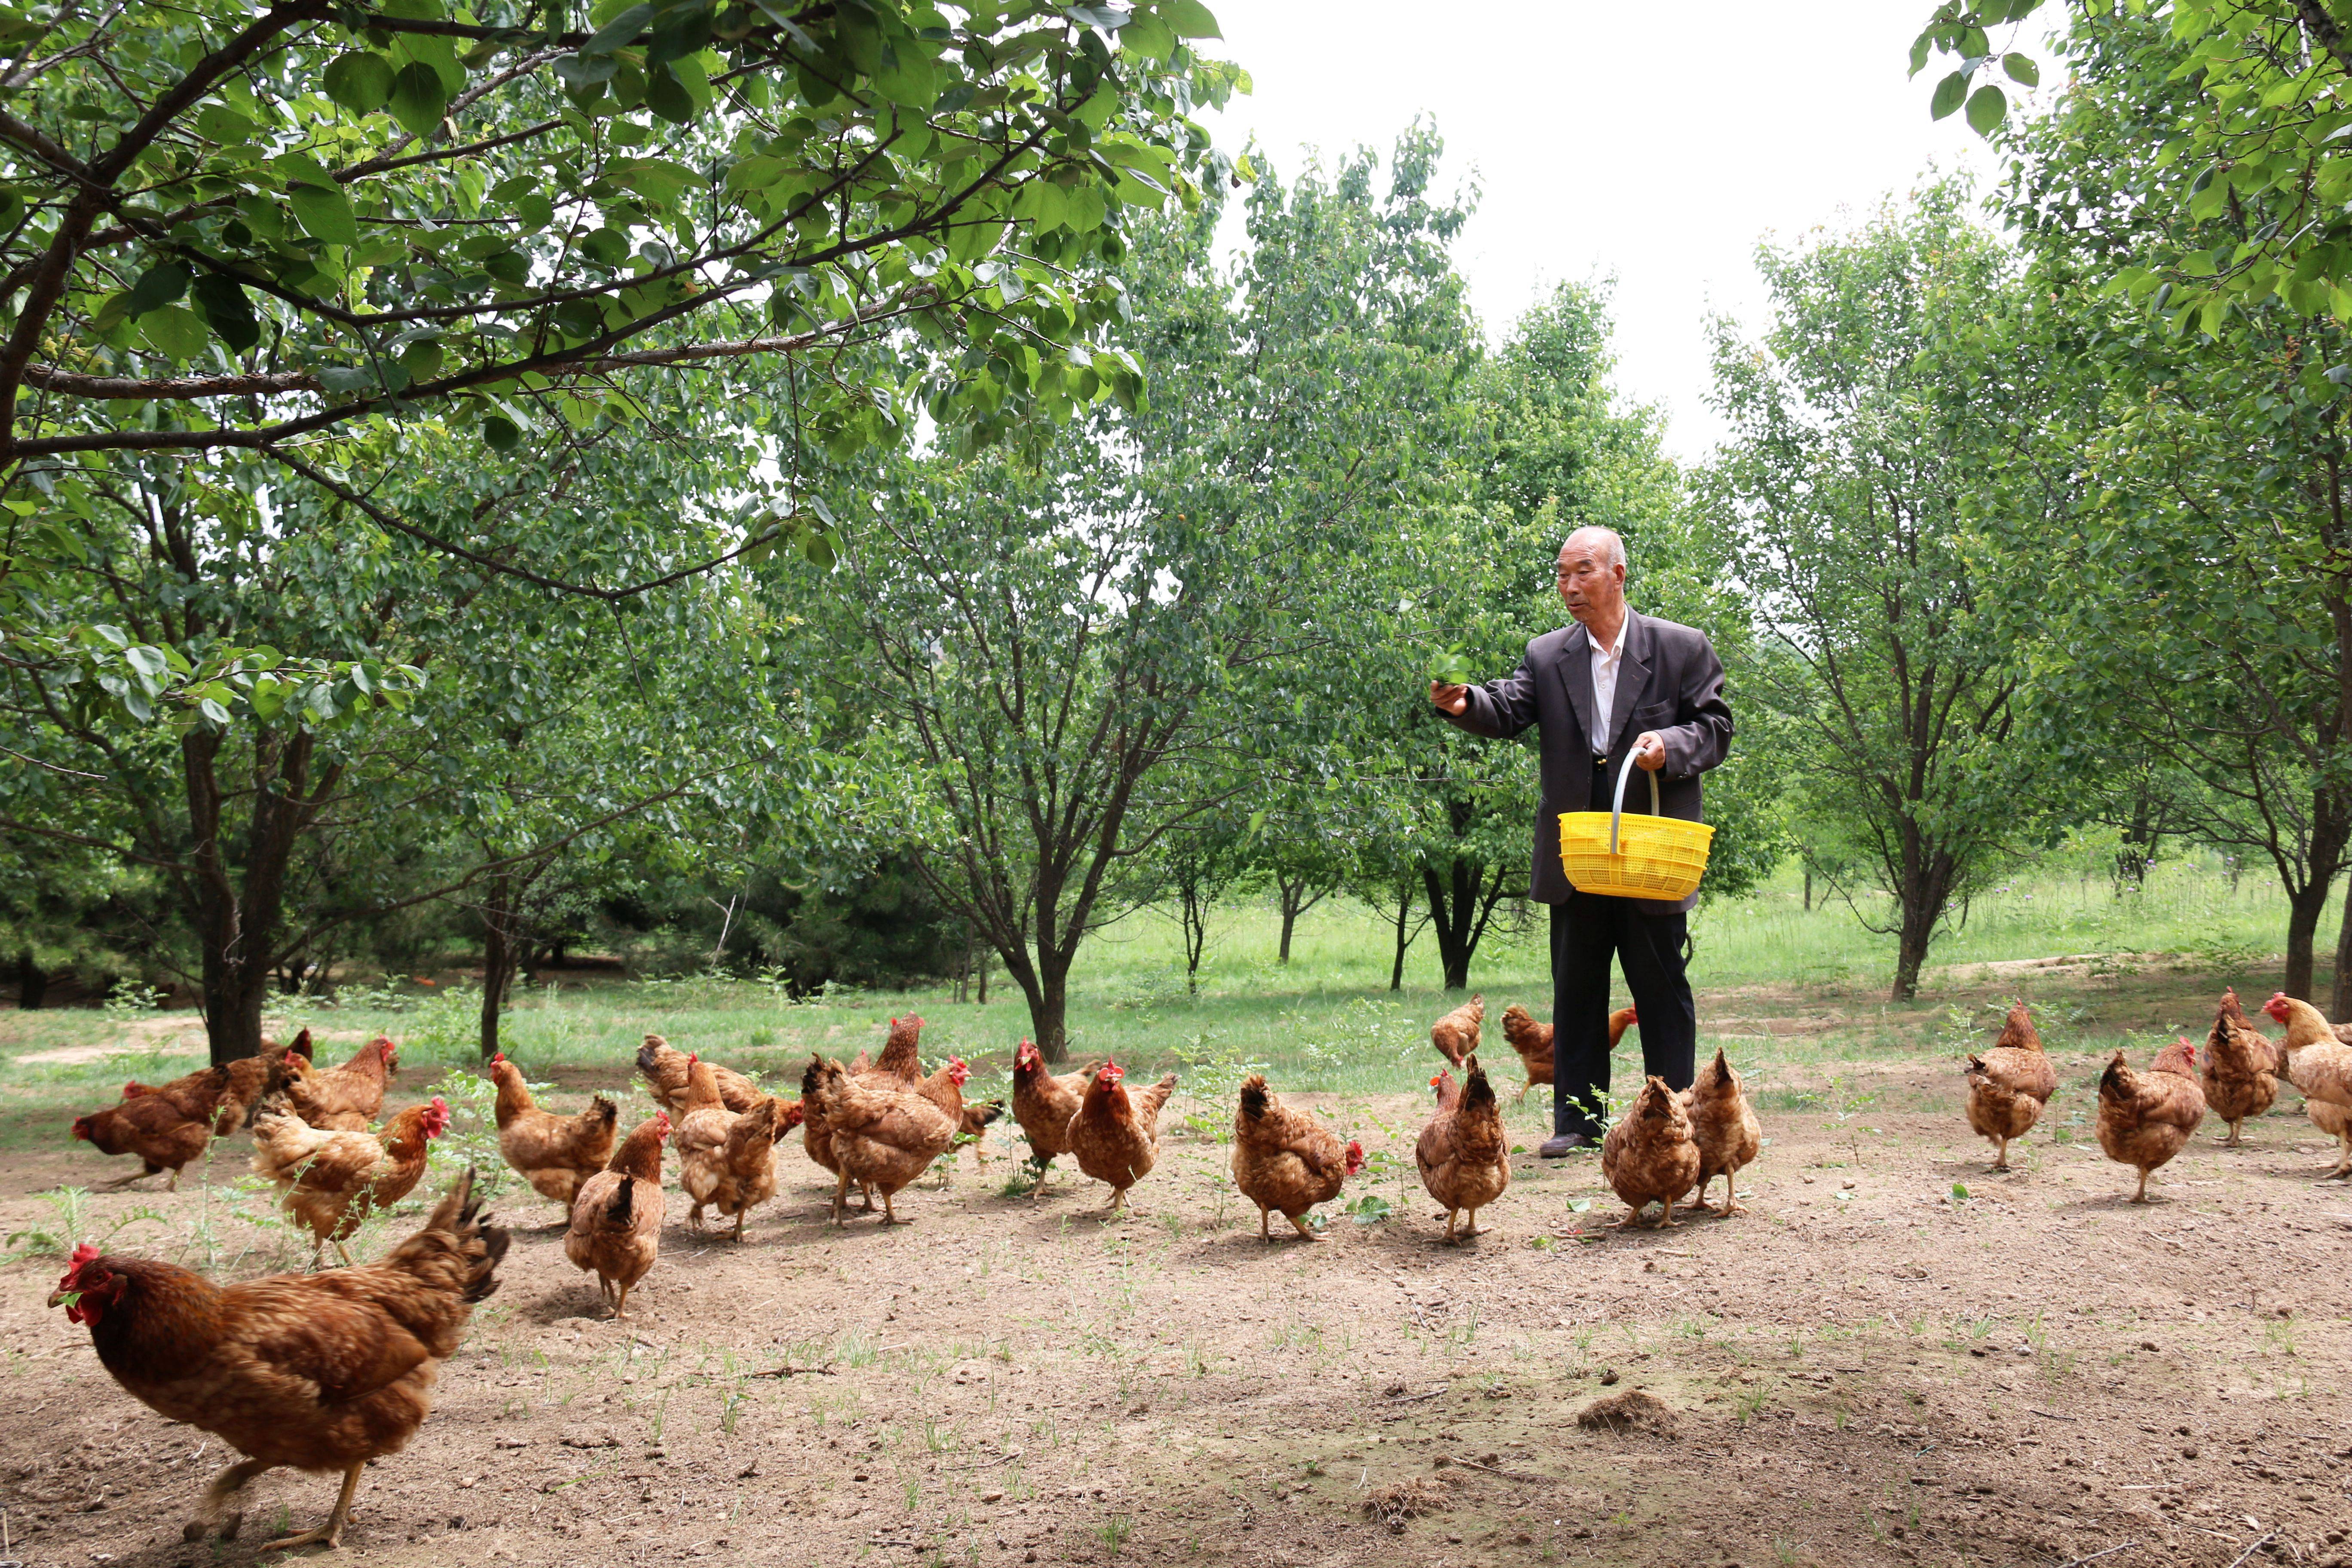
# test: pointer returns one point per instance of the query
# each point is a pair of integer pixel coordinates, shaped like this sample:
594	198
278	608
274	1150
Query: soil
1894	1357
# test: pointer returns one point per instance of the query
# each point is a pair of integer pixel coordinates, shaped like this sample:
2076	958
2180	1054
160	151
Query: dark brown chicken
2009	1084
1284	1160
1043	1103
1724	1125
1461	1150
1649	1155
2240	1080
323	1373
1533	1040
2145	1118
617	1220
166	1128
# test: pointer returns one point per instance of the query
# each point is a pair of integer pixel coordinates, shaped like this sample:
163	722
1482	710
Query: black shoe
1565	1144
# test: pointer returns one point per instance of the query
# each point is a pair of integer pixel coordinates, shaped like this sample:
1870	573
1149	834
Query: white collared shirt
1605	663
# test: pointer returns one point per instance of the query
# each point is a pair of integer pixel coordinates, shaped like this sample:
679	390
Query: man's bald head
1605	545
1592	579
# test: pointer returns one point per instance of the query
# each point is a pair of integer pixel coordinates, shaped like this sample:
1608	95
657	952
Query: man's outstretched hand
1453	700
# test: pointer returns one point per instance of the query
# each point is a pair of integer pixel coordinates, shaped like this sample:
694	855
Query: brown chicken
249	1079
2238	1081
1455	1035
739	1170
899	1060
1044	1104
321	1372
664	1071
553	1154
2145	1118
2009	1084
1115	1136
1724	1125
1649	1156
1285	1161
1462	1153
880	1137
344	1098
617	1220
330	1182
1533	1040
167	1128
2238	1019
2320	1064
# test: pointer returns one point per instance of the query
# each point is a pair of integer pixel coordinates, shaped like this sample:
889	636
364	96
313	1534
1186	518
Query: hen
2145	1118
1284	1160
345	1099
1723	1124
1455	1035
1649	1155
1043	1105
321	1372
167	1128
664	1071
330	1182
1115	1136
880	1138
2238	1079
2320	1064
725	1158
617	1220
2009	1084
1461	1150
553	1154
2238	1019
899	1060
248	1078
1533	1040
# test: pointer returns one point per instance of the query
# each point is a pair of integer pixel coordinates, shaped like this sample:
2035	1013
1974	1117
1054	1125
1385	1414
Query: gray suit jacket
1668	681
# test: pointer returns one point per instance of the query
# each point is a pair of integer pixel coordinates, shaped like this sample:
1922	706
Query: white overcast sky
1655	144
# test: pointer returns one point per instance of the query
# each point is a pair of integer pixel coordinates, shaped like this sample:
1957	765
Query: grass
1793	993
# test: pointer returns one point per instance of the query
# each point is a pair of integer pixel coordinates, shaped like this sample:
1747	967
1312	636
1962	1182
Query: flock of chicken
325	1372
2145	1118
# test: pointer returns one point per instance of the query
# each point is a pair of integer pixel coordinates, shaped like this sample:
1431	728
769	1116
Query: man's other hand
1456	699
1649	752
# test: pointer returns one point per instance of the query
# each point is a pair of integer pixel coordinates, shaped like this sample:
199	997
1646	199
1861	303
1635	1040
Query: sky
1655	144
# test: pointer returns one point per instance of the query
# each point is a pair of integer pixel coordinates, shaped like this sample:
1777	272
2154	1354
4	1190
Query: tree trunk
1296	897
498	955
2304	906
1460	904
1925	887
2340	1005
1809	889
2136	851
32	982
981	997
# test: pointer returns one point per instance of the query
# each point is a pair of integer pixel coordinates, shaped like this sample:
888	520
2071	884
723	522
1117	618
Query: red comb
85	1253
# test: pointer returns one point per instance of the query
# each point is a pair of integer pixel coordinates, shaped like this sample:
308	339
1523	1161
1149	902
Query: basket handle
1617	808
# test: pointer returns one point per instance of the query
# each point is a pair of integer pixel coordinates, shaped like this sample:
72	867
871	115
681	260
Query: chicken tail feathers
603	1110
620	1213
1253	1096
2117	1086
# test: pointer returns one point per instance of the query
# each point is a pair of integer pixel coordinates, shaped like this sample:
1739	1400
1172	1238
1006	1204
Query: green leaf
174	331
324	213
1987	107
618	31
906	77
227	312
1188	20
418	98
1950	93
359	81
157	287
2022	69
500	432
667	97
756	172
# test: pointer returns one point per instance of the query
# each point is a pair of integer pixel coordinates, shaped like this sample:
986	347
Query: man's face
1587	586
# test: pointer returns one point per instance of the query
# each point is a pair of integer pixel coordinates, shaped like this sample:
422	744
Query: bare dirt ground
1864	1369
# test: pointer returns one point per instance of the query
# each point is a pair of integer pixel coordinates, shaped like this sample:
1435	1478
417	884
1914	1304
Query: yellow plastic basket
1653	857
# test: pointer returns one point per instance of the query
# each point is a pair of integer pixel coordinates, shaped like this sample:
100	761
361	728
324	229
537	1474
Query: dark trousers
1585	932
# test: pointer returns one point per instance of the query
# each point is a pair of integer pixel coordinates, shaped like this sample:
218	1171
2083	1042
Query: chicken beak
64	1298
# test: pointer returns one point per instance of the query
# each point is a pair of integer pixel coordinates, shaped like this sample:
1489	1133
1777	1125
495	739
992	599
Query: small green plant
1369	1208
1114	1532
132	999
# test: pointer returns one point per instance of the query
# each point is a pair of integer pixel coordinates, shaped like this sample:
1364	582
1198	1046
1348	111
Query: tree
1856	437
2207	480
1065	629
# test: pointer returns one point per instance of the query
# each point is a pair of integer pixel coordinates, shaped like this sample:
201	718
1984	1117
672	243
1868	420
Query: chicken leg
2232	1140
2141	1196
1731	1203
889	1214
329	1534
209	1519
739	1225
2000	1160
840	1196
1300	1226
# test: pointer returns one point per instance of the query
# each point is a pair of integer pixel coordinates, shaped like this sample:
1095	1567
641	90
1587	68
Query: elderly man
1616	690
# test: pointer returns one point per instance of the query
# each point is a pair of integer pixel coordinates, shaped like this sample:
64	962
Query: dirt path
1865	1369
